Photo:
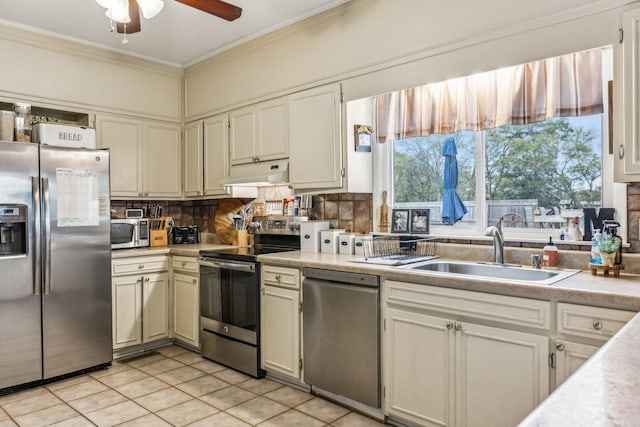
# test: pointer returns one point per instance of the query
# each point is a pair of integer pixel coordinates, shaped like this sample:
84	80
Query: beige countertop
582	288
603	392
184	250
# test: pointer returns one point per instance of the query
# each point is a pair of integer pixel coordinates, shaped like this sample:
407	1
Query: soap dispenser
550	255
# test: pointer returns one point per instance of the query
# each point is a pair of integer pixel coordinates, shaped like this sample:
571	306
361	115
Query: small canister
358	246
23	122
345	243
329	240
7	121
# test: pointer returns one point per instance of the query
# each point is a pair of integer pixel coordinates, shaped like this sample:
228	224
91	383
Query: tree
418	167
549	161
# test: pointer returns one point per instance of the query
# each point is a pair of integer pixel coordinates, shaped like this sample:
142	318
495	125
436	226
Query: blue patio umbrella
453	208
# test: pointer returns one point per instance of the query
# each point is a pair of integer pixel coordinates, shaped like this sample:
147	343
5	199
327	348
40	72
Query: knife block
158	232
158	238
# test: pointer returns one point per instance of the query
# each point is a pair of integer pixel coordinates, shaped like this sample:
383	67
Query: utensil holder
240	238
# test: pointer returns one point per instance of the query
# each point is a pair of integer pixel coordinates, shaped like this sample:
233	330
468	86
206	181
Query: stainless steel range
230	294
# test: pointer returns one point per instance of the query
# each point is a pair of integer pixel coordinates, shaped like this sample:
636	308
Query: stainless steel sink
492	271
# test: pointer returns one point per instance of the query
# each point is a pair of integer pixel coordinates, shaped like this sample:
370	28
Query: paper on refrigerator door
78	198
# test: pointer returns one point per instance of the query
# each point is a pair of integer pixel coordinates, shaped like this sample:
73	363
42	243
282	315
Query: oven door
229	303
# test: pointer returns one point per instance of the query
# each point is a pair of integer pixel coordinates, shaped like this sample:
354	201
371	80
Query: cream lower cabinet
583	330
569	356
280	321
440	371
186	300
140	295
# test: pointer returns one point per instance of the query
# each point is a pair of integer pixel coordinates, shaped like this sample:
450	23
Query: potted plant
609	246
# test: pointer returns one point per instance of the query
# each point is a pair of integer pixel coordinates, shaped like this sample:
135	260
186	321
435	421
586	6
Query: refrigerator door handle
37	268
46	236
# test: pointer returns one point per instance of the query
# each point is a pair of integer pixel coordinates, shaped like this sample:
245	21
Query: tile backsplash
351	211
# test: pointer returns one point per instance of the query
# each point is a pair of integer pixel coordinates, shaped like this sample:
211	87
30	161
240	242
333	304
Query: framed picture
419	221
362	137
400	221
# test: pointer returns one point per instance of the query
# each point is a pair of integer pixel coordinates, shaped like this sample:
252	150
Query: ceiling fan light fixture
119	11
107	4
150	8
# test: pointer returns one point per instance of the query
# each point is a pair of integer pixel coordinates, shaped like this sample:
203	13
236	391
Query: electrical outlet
169	222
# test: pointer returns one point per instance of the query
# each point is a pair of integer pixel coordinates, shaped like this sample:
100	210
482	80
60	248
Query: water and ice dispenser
13	230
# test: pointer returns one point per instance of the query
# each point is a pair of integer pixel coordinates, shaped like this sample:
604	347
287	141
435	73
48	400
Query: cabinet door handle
195	280
458	327
621	152
597	325
146	279
560	347
449	325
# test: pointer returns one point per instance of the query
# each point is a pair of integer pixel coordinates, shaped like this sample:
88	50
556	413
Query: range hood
258	174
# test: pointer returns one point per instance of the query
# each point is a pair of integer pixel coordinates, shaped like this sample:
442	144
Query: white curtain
567	85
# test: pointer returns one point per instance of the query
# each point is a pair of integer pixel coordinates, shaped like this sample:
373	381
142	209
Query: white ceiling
179	35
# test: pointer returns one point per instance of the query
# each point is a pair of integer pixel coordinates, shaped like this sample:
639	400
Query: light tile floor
175	387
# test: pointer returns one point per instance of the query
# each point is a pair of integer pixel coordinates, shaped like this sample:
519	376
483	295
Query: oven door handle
236	266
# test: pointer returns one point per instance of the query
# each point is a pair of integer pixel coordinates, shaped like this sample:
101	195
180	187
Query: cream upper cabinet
206	156
193	160
145	156
628	152
123	137
216	154
161	147
259	132
315	146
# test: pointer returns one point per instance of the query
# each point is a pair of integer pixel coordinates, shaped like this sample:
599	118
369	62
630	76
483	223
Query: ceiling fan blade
215	7
134	14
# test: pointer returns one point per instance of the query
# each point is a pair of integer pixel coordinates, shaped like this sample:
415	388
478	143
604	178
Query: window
536	171
542	171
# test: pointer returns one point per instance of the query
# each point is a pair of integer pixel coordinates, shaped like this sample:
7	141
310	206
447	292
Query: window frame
383	173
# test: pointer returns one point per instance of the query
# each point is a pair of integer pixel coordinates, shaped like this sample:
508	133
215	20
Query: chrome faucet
498	241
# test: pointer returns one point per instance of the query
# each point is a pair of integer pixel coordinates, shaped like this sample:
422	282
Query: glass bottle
23	122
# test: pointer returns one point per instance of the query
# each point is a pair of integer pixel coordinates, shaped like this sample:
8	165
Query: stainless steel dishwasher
341	327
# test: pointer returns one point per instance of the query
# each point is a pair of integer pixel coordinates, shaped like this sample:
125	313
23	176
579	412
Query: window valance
567	85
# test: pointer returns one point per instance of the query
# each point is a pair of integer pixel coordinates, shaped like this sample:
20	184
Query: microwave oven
129	233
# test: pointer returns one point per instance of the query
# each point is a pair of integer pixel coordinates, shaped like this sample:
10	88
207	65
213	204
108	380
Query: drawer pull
141	266
458	327
597	325
560	347
449	325
278	277
195	280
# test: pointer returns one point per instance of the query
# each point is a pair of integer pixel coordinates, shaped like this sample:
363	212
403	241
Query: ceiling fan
129	23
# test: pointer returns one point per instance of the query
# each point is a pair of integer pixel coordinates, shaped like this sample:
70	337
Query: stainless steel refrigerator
55	262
